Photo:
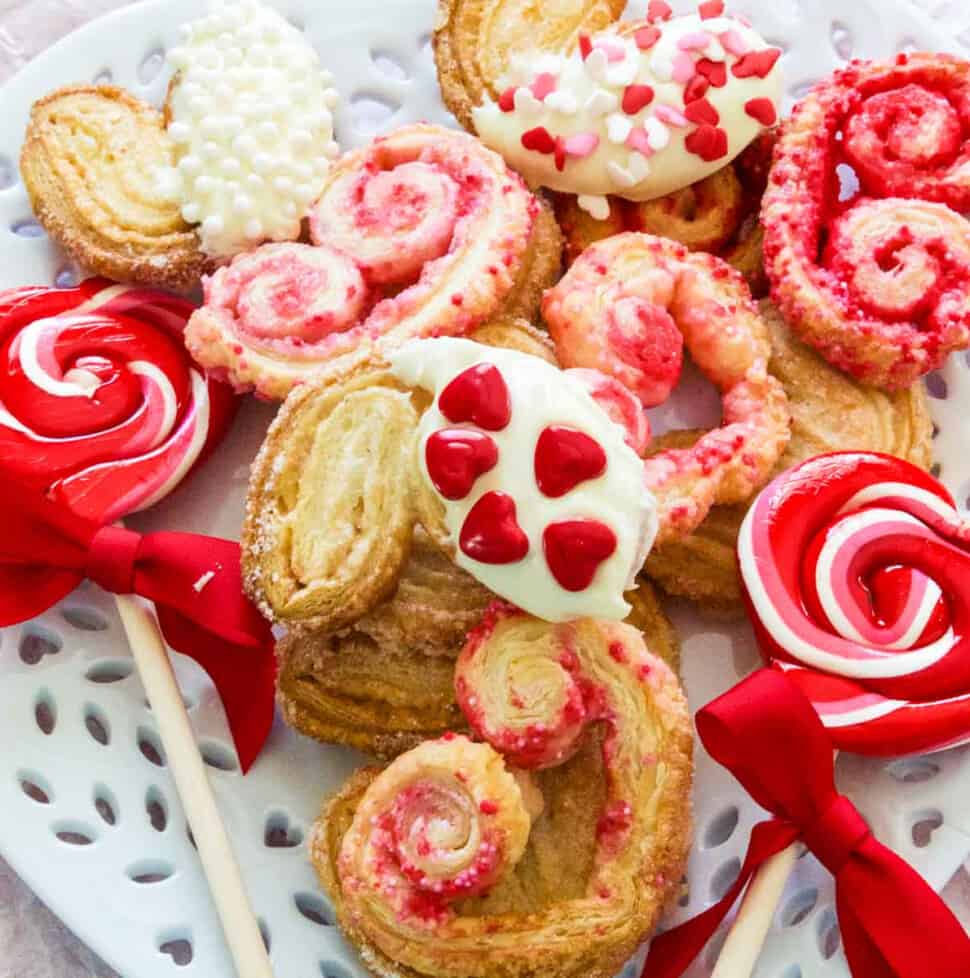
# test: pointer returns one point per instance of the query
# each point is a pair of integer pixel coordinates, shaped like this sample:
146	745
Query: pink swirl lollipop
856	568
100	405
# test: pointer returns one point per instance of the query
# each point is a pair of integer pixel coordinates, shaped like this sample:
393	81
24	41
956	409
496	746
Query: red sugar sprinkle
707	142
487	807
617	652
711	9
756	63
714	71
701	112
761	109
646	37
457	300
636	97
448	735
585	46
658	10
506	101
696	88
539	140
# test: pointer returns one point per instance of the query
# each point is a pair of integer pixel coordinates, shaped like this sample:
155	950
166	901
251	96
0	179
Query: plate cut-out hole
829	937
218	756
27	228
148	871
936	386
103	77
721	828
371	112
842	40
724	878
156	809
907	45
97	724
389	64
67	277
105	804
924	824
35	787
280	833
913	770
265	934
36	642
86	619
330	969
74	833
151	746
45	712
314	908
179	949
8	173
151	66
799	907
109	671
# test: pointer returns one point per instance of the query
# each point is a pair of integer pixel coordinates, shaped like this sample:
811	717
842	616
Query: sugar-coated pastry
91	163
250	111
453	862
101	408
526	479
876	277
829	412
856	571
424	232
639	110
627	307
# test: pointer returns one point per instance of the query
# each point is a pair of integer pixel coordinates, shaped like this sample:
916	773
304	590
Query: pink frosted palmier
100	405
419	234
856	569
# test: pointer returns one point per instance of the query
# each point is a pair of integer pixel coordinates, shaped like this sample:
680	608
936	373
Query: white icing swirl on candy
251	117
640	110
540	396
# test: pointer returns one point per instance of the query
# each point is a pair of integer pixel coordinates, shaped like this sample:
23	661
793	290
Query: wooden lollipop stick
218	861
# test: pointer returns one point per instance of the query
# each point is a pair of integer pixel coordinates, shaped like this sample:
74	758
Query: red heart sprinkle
480	395
701	112
696	88
636	97
757	63
490	533
762	110
714	71
506	101
574	550
585	46
539	140
646	37
707	142
564	458
711	9
456	457
658	10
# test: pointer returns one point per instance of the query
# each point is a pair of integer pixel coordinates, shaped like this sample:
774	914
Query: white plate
113	795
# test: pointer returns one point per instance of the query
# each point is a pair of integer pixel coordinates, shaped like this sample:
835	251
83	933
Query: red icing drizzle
479	395
491	533
574	550
456	457
566	457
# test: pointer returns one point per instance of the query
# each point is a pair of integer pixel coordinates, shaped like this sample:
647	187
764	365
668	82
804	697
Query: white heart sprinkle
638	167
618	127
597	207
658	135
596	64
601	102
526	103
563	102
619	176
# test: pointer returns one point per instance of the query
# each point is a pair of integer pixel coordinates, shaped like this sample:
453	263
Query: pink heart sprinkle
581	144
670	115
683	68
696	41
613	50
734	43
543	85
639	141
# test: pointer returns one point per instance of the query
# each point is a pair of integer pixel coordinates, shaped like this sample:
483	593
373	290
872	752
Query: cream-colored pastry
639	110
250	110
539	495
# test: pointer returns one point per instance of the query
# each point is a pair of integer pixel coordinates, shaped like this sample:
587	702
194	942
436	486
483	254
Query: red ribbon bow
194	581
893	924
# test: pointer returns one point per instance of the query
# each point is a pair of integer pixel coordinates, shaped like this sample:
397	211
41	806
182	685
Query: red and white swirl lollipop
100	404
856	568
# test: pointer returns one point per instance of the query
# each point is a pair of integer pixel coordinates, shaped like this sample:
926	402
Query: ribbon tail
672	953
244	676
28	591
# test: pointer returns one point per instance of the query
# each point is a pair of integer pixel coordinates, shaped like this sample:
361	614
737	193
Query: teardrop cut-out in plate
85	619
36	787
371	112
179	949
45	712
829	936
721	827
37	642
156	808
150	745
97	724
913	770
151	66
103	77
218	756
330	969
106	805
936	386
724	878
109	671
314	908
27	228
842	40
799	906
148	871
389	64
924	824
67	276
74	833
280	833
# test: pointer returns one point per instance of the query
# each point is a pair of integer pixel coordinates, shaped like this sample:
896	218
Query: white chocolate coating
604	148
251	115
540	395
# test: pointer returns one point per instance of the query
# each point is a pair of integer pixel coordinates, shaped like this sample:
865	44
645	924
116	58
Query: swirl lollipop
103	411
100	406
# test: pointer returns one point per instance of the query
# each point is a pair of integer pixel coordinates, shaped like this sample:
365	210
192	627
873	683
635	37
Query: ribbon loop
111	559
837	834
